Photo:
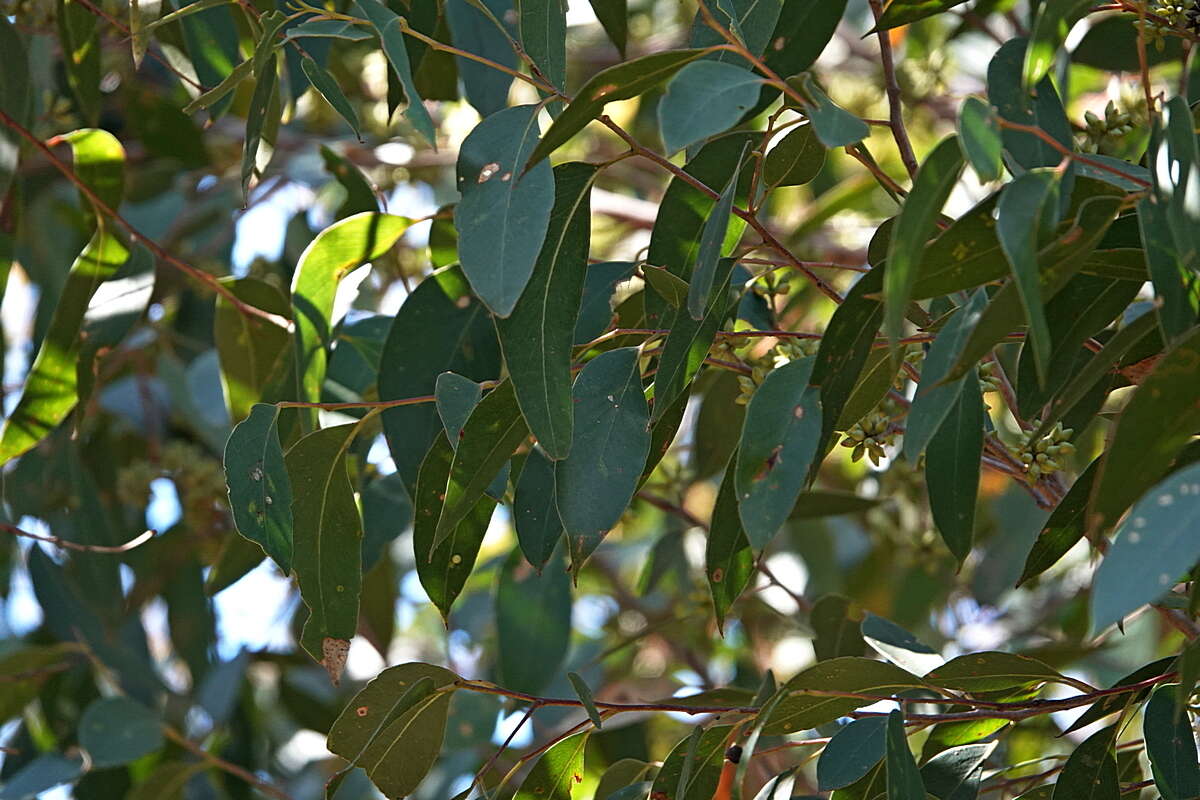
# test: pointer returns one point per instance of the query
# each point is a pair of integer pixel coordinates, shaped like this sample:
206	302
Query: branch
136	541
1064	151
225	766
896	109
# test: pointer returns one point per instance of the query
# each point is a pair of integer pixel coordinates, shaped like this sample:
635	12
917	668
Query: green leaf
117	730
1158	421
751	21
903	12
833	125
899	645
533	622
1189	673
260	493
1021	219
935	396
557	772
952	469
1054	21
621	82
992	671
15	99
804	29
336	252
43	773
503	216
688	343
484	28
544	36
595	309
965	255
326	29
703	289
728	559
954	774
262	103
1006	93
79	42
25	669
800	711
456	335
1116	701
916	222
1091	771
1171	746
903	777
443	570
326	540
251	349
852	752
779	442
385	698
50	390
535	515
623	773
389	29
1176	287
456	397
703	99
584	692
701	758
596	482
671	288
980	139
796	160
838	632
487	440
1111	44
614	17
327	87
400	756
537	338
1153	549
222	90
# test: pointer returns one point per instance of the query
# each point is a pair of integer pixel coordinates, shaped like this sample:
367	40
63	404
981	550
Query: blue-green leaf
117	730
584	692
544	37
703	99
852	752
535	515
1054	21
388	27
456	397
260	494
1044	110
487	35
1171	746
596	482
327	87
903	777
952	469
533	622
834	125
1091	771
503	216
728	558
796	160
614	18
779	441
703	285
980	139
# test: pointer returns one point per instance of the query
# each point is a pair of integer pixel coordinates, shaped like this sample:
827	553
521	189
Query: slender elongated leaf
728	558
584	692
533	620
15	99
543	26
260	492
703	99
833	125
801	710
903	778
916	222
1091	771
327	87
703	288
1171	746
535	515
484	28
389	28
537	337
992	671
693	768
898	645
251	349
326	541
456	397
1050	28
979	137
904	12
952	469
614	17
596	482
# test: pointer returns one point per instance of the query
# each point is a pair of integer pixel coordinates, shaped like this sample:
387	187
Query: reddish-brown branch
895	106
137	541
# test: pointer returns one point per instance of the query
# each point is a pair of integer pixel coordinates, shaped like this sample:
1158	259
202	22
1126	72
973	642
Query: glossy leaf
688	343
852	752
796	159
326	540
537	338
935	397
669	287
952	469
903	778
533	622
117	730
1091	771
535	515
904	12
504	214
1170	746
800	711
557	773
729	561
1158	421
327	87
979	137
703	768
703	99
443	570
779	442
49	393
750	21
262	103
992	671
456	335
456	397
838	631
399	757
260	492
1050	28
1153	549
833	125
596	482
389	28
804	29
703	289
621	82
916	222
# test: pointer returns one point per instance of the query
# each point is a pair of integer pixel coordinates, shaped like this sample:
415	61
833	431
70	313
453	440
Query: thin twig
225	766
895	107
136	541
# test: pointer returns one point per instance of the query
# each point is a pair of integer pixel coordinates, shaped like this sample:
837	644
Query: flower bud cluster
1043	456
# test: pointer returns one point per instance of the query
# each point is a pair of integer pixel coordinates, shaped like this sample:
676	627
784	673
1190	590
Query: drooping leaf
779	442
260	492
992	671
729	561
904	12
614	17
79	40
621	82
980	139
456	397
263	111
326	540
1171	746
852	752
443	570
535	515
537	337
916	222
952	469
584	693
117	730
898	645
484	28
955	773
833	125
800	711
703	99
701	758
796	160
543	25
504	214
388	28
15	99
533	622
903	778
750	21
336	252
1050	28
596	482
557	773
595	309
50	392
838	631
1158	421
327	86
935	397
1091	771
42	774
1153	549
804	29
399	757
703	288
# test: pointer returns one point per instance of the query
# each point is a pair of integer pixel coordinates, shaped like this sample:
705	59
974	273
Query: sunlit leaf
557	773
